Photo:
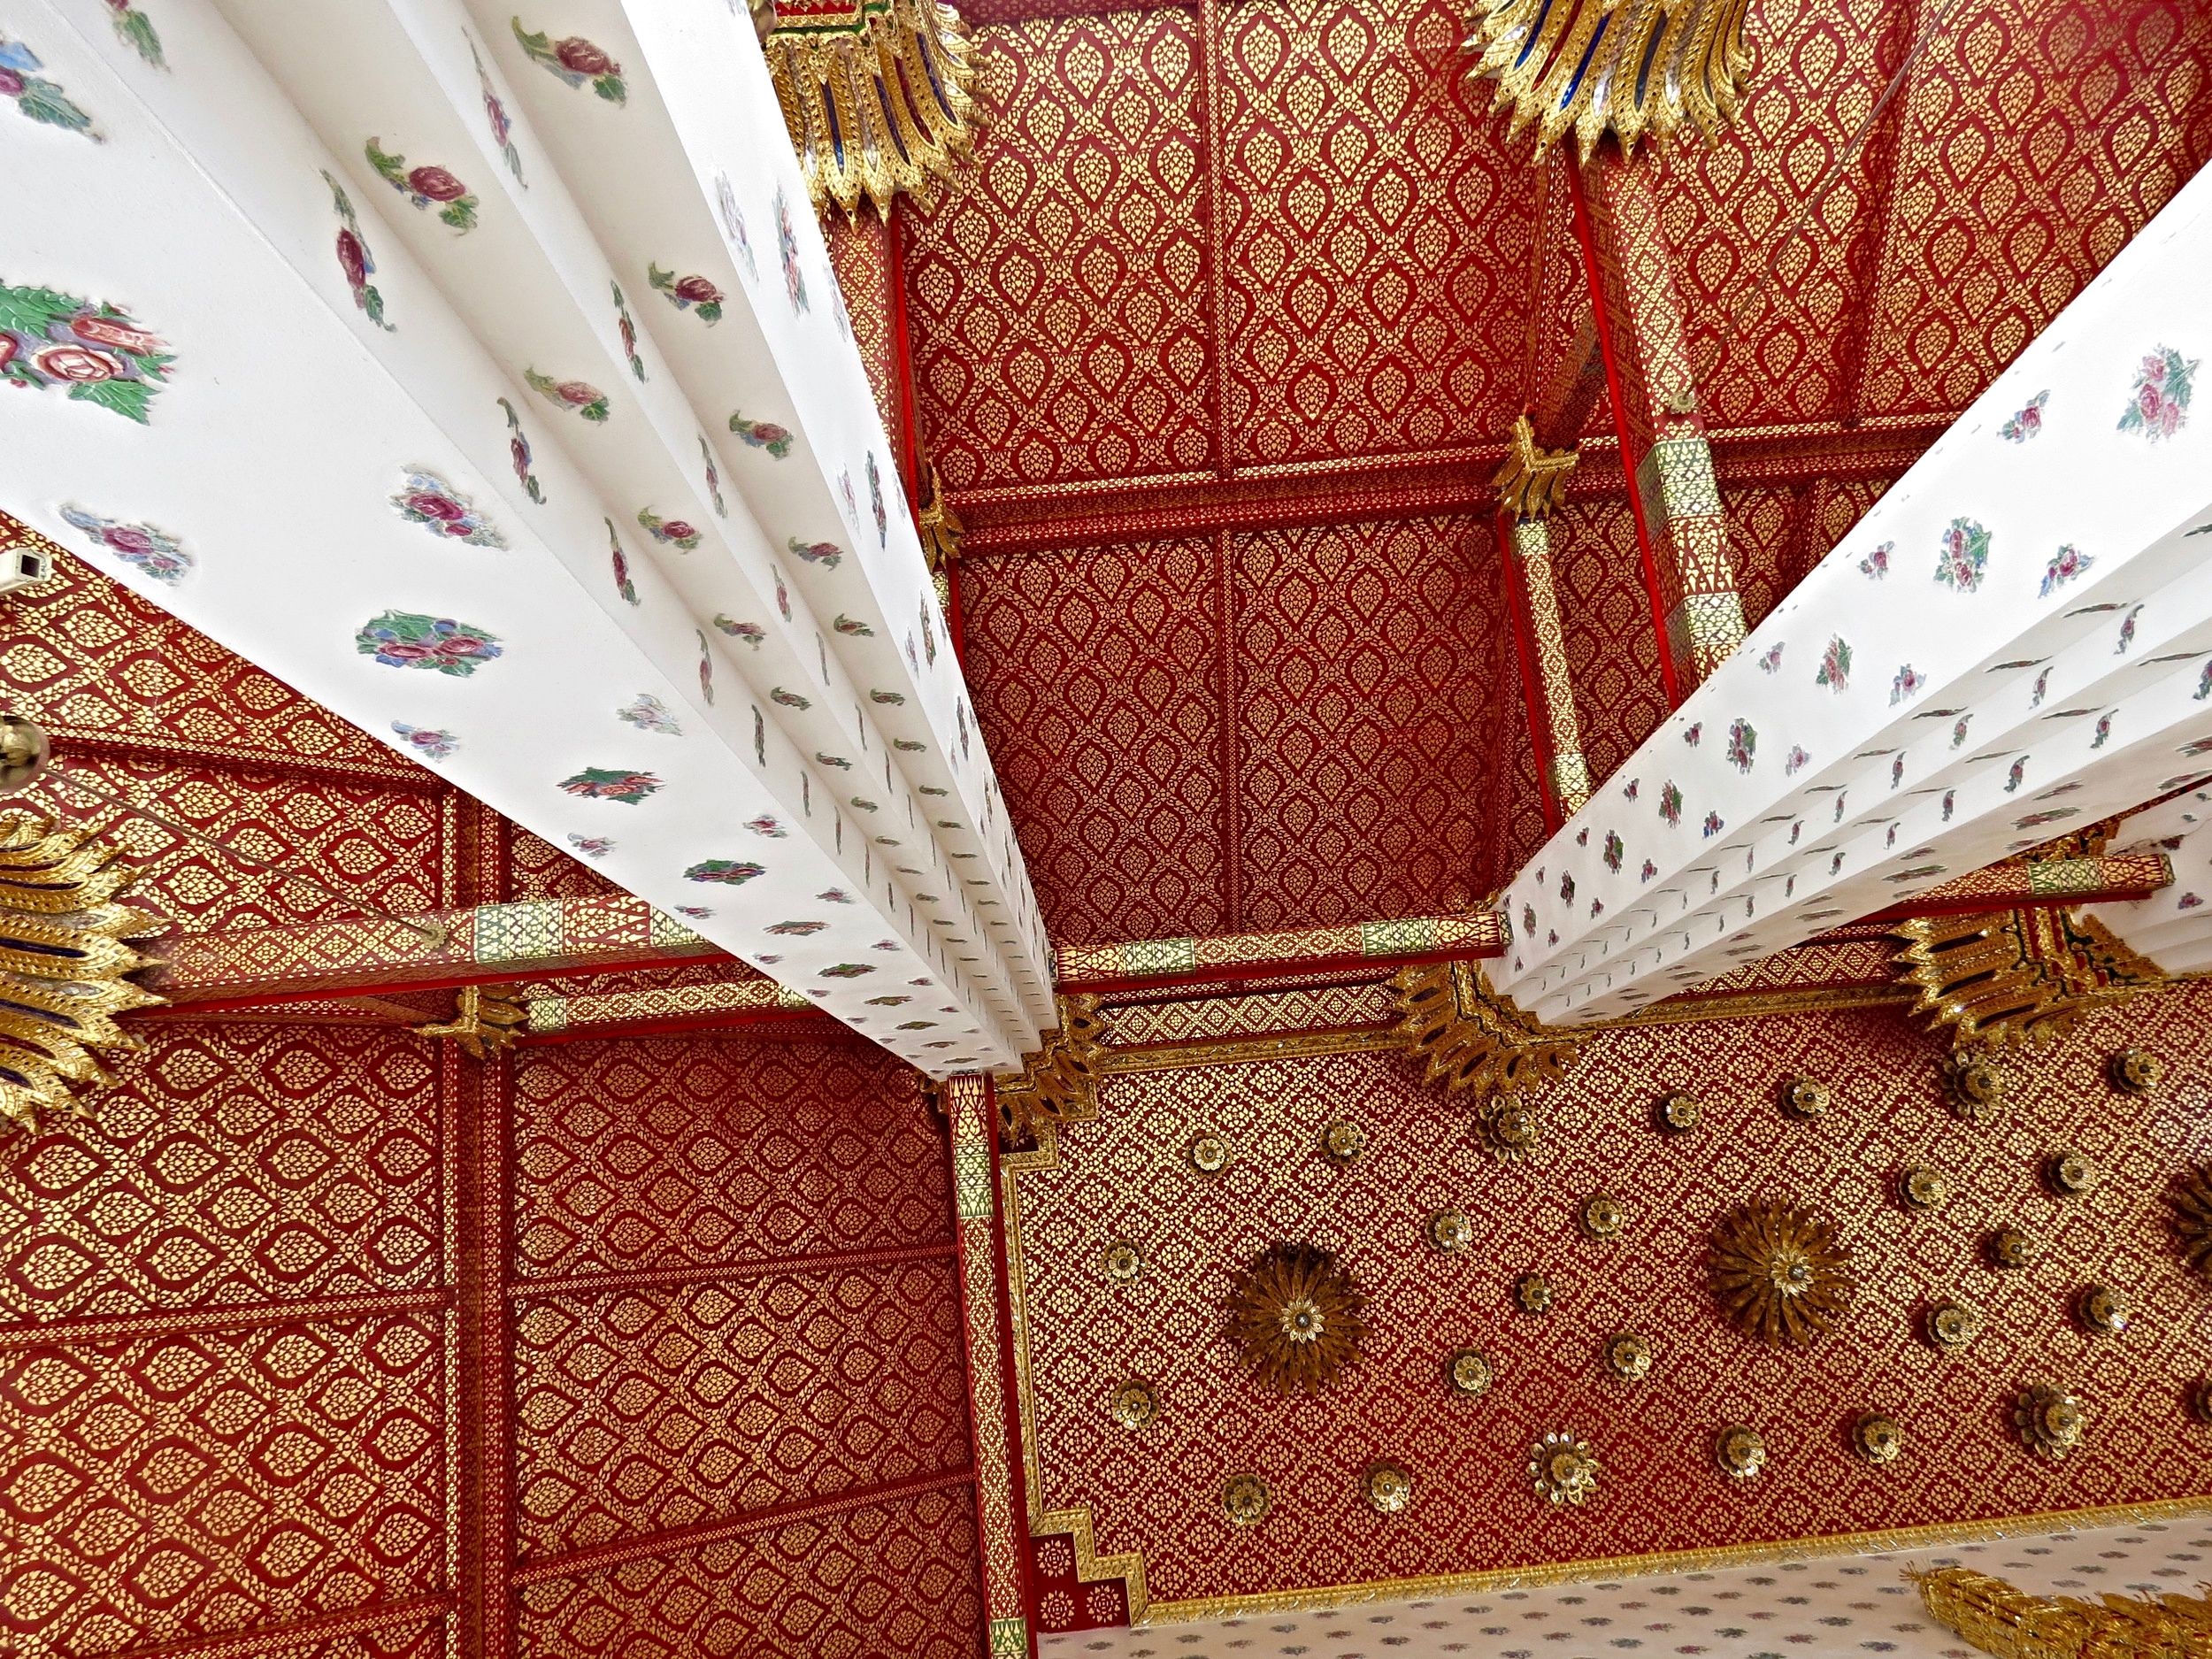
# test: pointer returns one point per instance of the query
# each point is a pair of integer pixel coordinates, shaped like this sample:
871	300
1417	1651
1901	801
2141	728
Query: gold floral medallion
2073	1173
1628	1356
1449	1231
1922	1188
1603	1217
1296	1319
1342	1143
2192	1220
1533	1293
2010	1247
1510	1130
1976	1087
1952	1325
1470	1373
1209	1154
2199	1402
2051	1420
1133	1404
1124	1263
1563	1468
1782	1276
2136	1070
1679	1113
1877	1438
1244	1499
2104	1311
1387	1488
1804	1098
1740	1451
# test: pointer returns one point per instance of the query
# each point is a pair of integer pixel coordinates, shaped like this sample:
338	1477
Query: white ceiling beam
277	452
2015	639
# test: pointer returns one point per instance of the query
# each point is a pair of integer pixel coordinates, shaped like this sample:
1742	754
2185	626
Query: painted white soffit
2017	639
325	446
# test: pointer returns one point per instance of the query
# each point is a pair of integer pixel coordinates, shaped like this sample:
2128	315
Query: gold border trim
1675	1561
1090	1566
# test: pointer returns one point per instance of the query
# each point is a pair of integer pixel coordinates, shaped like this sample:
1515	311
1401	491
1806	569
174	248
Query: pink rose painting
426	187
426	499
2165	382
575	60
686	292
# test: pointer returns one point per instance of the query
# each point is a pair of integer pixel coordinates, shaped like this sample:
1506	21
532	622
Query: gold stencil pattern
643	1411
230	1164
1120	1176
189	1486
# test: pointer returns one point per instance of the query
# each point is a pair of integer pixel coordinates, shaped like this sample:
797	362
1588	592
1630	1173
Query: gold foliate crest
62	962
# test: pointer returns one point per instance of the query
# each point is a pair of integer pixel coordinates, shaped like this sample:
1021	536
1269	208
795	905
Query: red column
1664	453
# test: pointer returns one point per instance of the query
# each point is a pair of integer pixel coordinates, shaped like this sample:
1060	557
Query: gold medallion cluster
1298	1321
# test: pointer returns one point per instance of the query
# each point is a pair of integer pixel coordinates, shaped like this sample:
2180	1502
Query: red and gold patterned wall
325	1339
1274	728
1156	1490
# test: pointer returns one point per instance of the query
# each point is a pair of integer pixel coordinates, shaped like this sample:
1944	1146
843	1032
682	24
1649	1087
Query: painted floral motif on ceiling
426	187
37	99
49	339
686	293
149	551
354	259
574	61
408	639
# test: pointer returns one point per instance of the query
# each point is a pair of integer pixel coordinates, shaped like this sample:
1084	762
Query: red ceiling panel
1058	290
1097	677
1374	236
1271	729
1158	1490
1370	675
642	1411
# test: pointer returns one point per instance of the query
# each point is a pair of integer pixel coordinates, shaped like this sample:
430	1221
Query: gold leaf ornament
1342	1144
2104	1311
2052	1420
1563	1468
1740	1452
1628	1356
1953	1325
1124	1263
1470	1373
1997	1618
1296	1319
2192	1220
62	962
1630	68
1133	1404
1877	1438
1466	1036
1781	1274
1244	1499
1387	1488
878	97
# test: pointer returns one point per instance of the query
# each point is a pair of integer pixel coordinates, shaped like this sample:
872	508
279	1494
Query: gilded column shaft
1670	458
1532	557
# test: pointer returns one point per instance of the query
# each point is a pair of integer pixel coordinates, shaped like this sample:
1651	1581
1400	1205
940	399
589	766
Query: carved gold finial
877	95
2015	976
1295	1318
1782	1275
2192	1220
1531	480
1467	1036
62	962
487	1019
1628	67
1997	1618
1058	1083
